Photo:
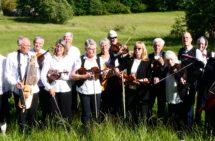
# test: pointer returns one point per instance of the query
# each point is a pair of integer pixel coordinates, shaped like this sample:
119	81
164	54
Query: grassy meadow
144	27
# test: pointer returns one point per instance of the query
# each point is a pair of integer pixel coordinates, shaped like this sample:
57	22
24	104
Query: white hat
112	34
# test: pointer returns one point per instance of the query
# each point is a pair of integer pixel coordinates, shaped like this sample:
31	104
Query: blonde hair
144	55
171	55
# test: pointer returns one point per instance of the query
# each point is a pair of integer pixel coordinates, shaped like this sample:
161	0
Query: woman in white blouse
90	89
57	87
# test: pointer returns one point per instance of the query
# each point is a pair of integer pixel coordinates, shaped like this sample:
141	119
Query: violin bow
63	121
129	38
175	72
95	97
123	96
211	88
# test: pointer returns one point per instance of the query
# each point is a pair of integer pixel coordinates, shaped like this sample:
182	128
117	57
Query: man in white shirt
74	52
90	90
202	44
192	73
16	70
42	57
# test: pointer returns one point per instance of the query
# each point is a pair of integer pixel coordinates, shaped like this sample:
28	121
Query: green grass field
144	27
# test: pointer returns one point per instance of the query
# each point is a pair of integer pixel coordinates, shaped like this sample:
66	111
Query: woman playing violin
90	89
56	82
175	91
137	96
108	98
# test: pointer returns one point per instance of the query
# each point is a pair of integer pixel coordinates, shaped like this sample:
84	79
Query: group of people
115	81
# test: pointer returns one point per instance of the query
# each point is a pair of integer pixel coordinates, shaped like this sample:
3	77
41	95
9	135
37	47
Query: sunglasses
137	48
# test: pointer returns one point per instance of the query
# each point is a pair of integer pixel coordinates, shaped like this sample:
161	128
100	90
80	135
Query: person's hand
52	92
161	60
182	81
19	85
156	80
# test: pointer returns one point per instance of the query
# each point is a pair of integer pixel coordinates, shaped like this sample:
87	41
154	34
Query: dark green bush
179	27
116	7
138	7
56	11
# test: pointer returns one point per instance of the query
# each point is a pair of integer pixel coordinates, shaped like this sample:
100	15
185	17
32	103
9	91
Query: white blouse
4	85
88	86
134	68
65	63
172	95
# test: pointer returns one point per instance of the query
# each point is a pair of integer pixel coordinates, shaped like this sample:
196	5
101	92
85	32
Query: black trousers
177	116
64	102
4	108
158	91
30	115
137	104
44	100
114	96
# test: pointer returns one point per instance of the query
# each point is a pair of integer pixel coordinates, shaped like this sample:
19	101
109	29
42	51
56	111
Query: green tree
200	17
96	7
57	11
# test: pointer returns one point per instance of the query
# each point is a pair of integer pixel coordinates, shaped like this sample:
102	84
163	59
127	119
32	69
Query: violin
132	80
55	75
120	47
95	70
176	69
41	58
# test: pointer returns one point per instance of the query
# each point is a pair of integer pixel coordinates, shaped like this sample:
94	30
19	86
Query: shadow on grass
30	20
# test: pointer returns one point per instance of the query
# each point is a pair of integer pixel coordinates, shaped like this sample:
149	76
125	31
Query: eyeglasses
113	37
137	48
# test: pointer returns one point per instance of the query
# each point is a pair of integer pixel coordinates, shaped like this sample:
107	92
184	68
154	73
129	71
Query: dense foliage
200	17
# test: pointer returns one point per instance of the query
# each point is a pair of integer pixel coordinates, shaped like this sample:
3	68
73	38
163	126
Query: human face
138	50
26	46
38	44
91	51
59	50
187	39
170	62
158	46
68	40
201	45
113	40
104	47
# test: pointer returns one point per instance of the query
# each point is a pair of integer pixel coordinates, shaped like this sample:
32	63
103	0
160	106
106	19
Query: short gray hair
89	42
156	40
19	40
38	37
104	40
202	37
68	34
